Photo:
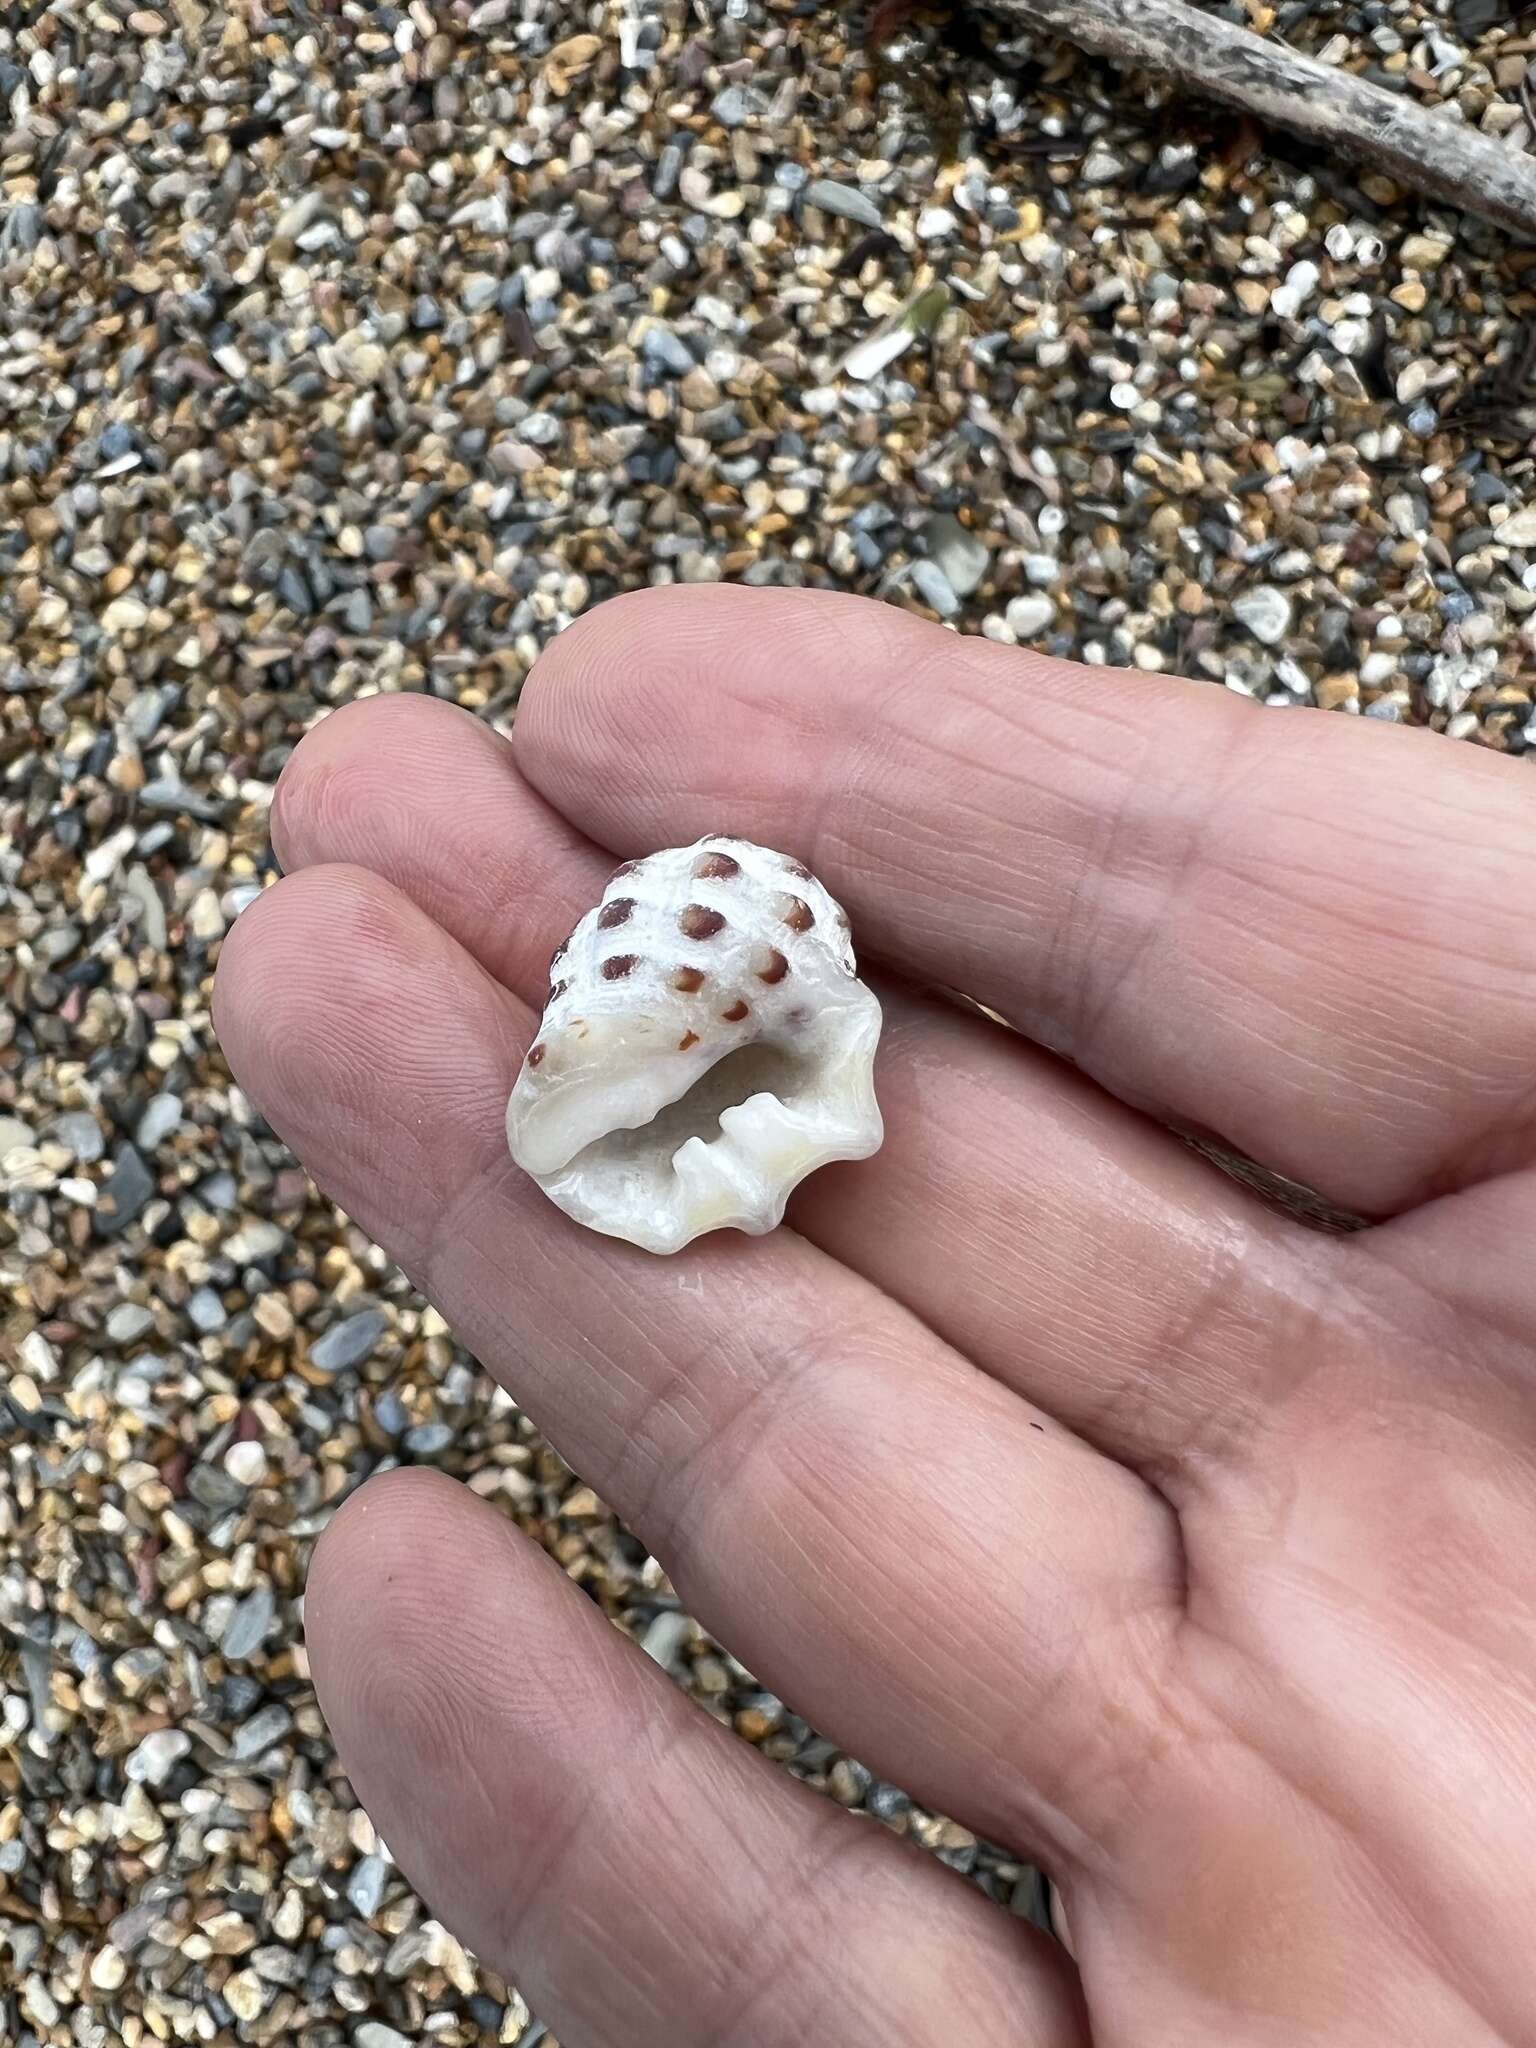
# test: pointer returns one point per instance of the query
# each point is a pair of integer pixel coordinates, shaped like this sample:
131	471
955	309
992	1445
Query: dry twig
1279	86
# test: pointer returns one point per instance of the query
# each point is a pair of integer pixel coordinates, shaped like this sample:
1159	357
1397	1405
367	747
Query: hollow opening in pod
750	1070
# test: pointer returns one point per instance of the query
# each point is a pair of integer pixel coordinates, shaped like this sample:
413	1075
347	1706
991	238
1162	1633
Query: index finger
1255	925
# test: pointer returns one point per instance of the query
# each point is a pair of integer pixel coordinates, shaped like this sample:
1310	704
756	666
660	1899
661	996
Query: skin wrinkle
767	1399
1314	1798
839	1838
1102	990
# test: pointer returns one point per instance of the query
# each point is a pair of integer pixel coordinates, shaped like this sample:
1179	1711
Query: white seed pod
707	1044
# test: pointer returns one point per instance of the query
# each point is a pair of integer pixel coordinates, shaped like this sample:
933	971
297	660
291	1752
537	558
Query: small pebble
934	588
348	1342
152	1762
1266	612
850	202
246	1463
960	556
248	1624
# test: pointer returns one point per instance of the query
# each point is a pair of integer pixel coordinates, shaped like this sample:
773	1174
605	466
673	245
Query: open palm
1038	1462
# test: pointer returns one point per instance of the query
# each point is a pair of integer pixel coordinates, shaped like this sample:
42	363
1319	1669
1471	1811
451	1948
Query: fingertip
345	771
705	707
316	912
376	1594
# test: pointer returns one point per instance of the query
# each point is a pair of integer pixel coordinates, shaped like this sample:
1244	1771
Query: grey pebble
164	794
957	552
57	943
540	429
374	2034
1030	614
1266	612
14	1132
162	1116
246	1629
212	1487
256	1238
731	106
934	588
428	1439
391	1413
887	1802
348	1342
1102	167
156	1756
662	346
130	1930
275	1964
848	201
668	165
665	1636
140	889
79	1134
129	1320
365	1886
129	1187
206	1311
269	1725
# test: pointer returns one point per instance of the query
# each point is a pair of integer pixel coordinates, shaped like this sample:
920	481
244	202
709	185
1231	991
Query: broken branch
1285	89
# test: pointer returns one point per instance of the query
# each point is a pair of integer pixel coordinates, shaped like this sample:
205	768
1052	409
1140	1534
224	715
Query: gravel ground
360	347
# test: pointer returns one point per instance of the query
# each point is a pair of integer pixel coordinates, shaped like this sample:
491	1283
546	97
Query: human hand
1039	1463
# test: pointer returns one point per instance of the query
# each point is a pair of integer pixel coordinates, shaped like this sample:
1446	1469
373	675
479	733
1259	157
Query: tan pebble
109	1969
273	1315
1333	691
244	1995
125	615
1424	252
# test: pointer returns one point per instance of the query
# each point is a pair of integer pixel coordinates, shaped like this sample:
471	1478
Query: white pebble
1030	616
1265	611
246	1463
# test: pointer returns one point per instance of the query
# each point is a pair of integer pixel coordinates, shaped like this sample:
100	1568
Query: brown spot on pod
618	965
797	915
536	1054
557	989
688	980
698	921
688	1038
560	951
769	964
736	1012
618	912
626	867
716	867
798	867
